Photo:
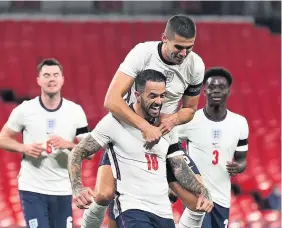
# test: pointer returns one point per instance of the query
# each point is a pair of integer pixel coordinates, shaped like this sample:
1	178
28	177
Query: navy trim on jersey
242	142
50	110
210	118
118	202
111	146
193	90
173	148
161	56
82	130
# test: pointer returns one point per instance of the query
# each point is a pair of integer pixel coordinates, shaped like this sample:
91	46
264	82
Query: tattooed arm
186	177
85	148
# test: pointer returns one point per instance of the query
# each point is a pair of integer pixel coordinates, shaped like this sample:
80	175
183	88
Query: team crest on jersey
51	125
216	135
169	75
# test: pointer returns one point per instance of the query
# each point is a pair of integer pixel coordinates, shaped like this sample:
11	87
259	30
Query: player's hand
168	121
204	203
83	197
232	168
59	143
32	150
152	136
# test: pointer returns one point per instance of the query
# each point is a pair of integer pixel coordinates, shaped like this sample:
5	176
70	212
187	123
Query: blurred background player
142	188
184	71
49	125
218	144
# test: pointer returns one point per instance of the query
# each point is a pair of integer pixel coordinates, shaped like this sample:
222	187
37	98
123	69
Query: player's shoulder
236	118
148	44
71	104
110	120
29	104
146	47
194	61
198	116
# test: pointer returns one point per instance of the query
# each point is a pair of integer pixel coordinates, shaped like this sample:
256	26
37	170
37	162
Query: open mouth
216	98
155	109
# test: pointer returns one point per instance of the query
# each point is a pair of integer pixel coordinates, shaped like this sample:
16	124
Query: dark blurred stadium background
91	39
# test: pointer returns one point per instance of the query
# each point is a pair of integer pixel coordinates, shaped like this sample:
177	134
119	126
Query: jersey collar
161	56
50	110
209	117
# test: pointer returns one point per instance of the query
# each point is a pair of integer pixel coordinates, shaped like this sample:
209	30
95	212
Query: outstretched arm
82	150
186	177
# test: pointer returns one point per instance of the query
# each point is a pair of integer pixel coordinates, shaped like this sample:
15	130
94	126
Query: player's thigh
187	198
134	219
60	211
219	216
112	220
112	224
35	209
159	222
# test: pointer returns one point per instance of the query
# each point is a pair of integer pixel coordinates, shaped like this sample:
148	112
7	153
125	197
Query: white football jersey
185	78
210	145
47	174
140	174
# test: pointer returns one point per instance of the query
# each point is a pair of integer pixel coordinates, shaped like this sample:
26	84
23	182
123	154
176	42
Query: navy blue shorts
46	211
142	219
105	159
111	210
217	218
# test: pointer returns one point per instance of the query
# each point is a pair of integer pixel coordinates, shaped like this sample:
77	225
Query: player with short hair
218	144
140	173
184	71
49	124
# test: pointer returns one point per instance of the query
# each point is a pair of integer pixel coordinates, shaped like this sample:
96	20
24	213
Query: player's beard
145	106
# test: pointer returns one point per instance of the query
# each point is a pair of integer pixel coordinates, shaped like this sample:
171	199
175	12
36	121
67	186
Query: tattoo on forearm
84	149
186	177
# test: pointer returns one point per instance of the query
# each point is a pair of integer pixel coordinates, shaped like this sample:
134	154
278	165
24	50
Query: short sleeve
198	72
243	138
197	77
16	119
81	117
103	133
134	61
82	124
174	148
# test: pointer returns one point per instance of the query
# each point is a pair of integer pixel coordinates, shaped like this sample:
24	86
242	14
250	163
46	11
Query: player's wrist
21	148
71	145
143	126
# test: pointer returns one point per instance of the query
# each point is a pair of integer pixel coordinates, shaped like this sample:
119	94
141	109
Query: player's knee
104	198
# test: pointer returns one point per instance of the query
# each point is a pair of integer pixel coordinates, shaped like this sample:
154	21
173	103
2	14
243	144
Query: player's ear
164	38
205	91
138	96
38	80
